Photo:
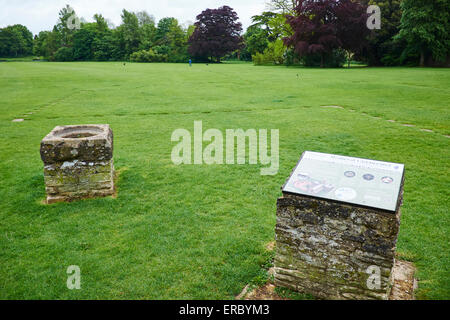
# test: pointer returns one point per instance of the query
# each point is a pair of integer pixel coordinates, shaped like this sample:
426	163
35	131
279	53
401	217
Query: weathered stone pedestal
78	162
332	249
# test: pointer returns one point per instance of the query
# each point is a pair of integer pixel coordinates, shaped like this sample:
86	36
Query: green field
199	232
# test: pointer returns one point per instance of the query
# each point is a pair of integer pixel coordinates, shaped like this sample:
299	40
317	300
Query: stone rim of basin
78	132
89	142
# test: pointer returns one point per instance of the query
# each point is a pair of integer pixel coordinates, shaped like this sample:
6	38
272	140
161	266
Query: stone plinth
337	227
78	162
329	249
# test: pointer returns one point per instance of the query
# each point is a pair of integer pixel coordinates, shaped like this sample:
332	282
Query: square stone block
328	243
333	250
83	142
78	162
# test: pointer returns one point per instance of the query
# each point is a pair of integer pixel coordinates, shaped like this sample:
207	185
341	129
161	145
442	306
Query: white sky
39	15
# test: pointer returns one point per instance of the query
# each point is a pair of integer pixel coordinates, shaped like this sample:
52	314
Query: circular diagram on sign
368	177
302	185
350	174
345	194
302	176
387	180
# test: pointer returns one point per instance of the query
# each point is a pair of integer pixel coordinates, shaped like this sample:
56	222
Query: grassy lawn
199	232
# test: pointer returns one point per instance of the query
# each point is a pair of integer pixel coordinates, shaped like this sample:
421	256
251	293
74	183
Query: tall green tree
255	41
52	43
274	24
15	41
103	45
62	27
425	26
101	25
83	41
145	18
171	40
382	48
129	37
165	25
178	43
283	6
39	43
147	30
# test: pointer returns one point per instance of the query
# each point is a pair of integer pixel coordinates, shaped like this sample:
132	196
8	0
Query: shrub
336	59
259	59
148	56
275	53
64	54
291	58
174	55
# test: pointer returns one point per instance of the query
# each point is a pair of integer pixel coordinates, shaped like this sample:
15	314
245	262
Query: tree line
324	33
331	32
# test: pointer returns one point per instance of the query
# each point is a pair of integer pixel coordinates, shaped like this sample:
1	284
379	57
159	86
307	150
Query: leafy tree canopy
381	48
425	26
322	26
217	33
15	41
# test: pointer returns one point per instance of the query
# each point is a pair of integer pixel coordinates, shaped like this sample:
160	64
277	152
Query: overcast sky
39	15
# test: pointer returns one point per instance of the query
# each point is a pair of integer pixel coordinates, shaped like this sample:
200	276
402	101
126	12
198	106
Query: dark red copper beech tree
217	33
321	26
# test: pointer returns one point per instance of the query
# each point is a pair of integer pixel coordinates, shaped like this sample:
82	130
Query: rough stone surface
325	248
266	292
84	142
78	162
404	283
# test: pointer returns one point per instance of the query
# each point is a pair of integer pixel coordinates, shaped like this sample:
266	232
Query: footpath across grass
199	231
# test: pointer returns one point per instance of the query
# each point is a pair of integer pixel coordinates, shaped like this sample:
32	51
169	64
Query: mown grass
199	232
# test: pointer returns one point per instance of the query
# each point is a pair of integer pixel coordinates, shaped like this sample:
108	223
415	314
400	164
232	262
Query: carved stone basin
78	162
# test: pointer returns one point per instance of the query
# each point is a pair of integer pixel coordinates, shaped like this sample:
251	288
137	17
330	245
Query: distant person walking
190	62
